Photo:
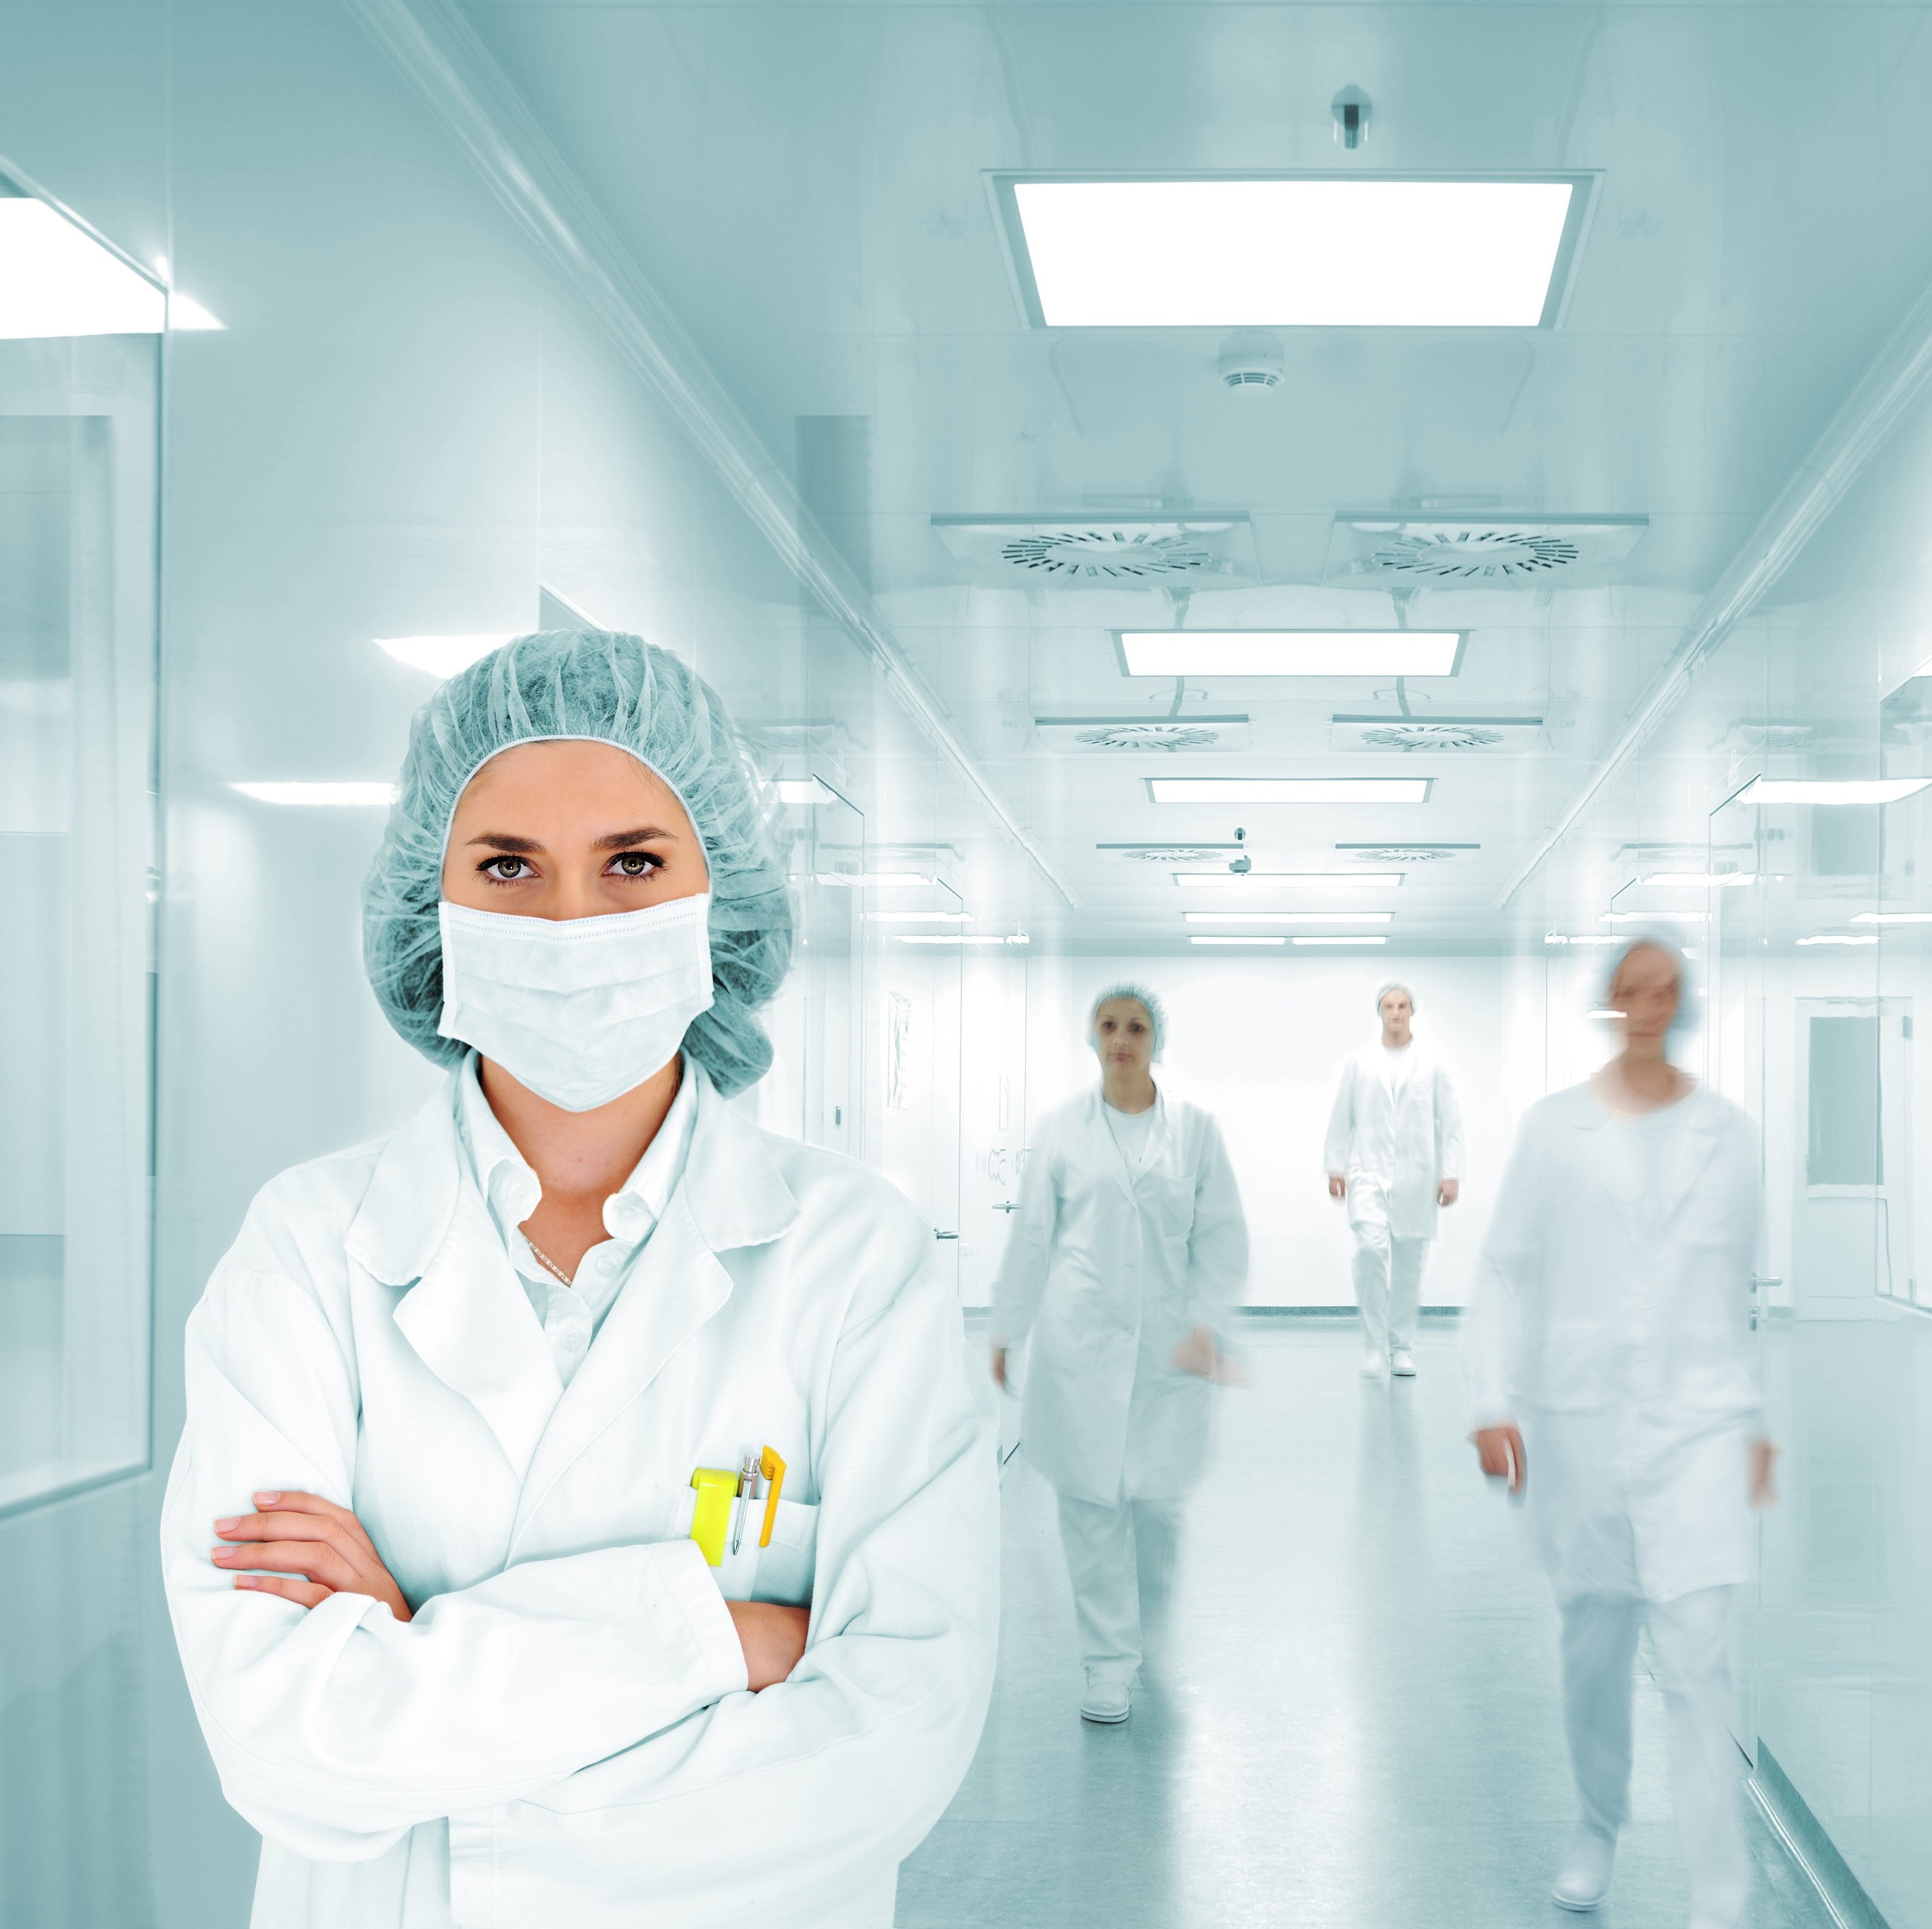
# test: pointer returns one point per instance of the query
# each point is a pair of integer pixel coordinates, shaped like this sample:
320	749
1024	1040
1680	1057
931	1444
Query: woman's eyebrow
618	840
499	840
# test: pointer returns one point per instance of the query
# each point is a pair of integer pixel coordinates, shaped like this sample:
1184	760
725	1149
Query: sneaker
1402	1363
1373	1365
1105	1700
1584	1880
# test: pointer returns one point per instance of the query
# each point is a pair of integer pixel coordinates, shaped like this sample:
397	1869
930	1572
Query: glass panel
79	420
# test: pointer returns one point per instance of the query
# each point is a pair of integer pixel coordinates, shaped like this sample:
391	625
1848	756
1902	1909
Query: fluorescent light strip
805	790
1656	917
1810	790
1289	917
1377	940
1331	252
1288	790
1238	940
1582	938
336	795
1291	652
1698	880
875	880
1286	880
919	916
1893	918
443	656
964	937
1842	938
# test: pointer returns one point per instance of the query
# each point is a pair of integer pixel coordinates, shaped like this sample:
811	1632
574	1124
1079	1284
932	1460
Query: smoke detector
1251	360
1171	854
1389	854
1489	553
1167	734
1405	734
1075	553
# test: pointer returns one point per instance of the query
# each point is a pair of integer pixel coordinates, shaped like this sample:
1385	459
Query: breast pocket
780	1572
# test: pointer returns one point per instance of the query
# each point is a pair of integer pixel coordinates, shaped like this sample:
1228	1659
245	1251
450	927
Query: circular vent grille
1401	854
1492	555
1148	736
1120	555
1176	854
1430	737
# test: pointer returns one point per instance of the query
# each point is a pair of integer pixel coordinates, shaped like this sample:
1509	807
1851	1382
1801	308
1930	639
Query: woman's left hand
1198	1354
1763	1458
312	1548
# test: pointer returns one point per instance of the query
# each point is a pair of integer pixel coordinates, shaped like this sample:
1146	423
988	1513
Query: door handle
938	1235
1007	1206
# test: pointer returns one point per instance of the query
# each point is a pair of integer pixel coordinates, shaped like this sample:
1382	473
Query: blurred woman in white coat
1612	1381
1393	1154
1125	1261
495	1602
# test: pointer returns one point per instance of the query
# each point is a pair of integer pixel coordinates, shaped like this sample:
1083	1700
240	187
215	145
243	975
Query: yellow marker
772	1468
717	1489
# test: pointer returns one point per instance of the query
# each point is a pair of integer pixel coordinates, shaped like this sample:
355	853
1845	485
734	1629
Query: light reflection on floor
1358	1728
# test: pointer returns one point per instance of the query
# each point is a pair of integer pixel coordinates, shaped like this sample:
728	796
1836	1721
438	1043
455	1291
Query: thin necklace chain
544	1259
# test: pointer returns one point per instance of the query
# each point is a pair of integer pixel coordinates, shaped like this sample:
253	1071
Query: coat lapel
731	1195
1700	1147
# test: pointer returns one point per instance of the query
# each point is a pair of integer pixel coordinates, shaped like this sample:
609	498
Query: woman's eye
506	870
637	864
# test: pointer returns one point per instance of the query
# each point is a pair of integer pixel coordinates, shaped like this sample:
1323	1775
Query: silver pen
748	1483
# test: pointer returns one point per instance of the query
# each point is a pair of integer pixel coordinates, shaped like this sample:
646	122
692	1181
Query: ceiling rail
437	49
1895	380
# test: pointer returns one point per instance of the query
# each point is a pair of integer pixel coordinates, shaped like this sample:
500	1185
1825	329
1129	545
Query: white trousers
1388	1286
1690	1638
1120	1560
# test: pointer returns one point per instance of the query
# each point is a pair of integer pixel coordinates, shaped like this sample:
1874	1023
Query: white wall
1258	1039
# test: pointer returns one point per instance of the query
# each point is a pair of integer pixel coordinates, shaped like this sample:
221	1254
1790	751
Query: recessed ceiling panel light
1289	917
875	880
1842	938
1582	938
441	655
337	795
1698	880
1288	790
1818	790
1655	917
1893	918
805	791
1238	940
1331	252
919	916
1291	652
56	279
1375	940
1287	880
963	938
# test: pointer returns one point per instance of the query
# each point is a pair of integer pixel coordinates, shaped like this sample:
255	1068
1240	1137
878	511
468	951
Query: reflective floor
1358	1726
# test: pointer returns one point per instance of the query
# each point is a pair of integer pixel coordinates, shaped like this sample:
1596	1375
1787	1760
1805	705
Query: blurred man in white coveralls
1612	1379
1395	1154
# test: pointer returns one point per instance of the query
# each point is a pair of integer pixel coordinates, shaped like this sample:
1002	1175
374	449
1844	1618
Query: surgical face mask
581	1010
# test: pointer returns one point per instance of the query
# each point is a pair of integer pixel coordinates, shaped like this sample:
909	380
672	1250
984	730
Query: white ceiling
806	185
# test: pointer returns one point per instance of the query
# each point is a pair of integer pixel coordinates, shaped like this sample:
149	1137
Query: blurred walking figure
1612	1380
1394	1154
1126	1258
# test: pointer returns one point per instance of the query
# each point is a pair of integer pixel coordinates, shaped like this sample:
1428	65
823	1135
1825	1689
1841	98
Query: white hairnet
1394	985
1655	941
1157	1012
614	689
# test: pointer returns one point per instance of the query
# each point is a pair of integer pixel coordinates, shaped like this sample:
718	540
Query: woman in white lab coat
1612	1380
467	1646
1126	1261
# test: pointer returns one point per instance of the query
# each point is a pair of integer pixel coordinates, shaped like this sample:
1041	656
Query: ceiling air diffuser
1496	552
1102	552
1089	735
1456	735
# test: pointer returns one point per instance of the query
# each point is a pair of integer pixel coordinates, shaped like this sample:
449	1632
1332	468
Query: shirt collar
513	1191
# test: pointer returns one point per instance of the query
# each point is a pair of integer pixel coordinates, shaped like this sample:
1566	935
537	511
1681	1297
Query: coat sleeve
335	1729
1508	1275
1341	1123
1217	1246
1022	1276
1448	1127
804	1792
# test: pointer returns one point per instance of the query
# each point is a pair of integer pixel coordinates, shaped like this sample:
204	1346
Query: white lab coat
1108	1270
562	1734
1393	1151
1613	1326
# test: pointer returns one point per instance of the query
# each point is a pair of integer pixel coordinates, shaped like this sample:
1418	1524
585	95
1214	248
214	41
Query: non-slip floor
1358	1727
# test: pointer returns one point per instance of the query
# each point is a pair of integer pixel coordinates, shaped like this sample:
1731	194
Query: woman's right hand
773	1637
1500	1450
1000	1366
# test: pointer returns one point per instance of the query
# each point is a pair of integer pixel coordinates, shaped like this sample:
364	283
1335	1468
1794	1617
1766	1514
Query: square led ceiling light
1274	251
1291	652
57	280
1288	790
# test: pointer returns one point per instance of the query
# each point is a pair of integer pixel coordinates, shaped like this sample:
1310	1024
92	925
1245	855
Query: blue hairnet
1656	941
1157	1012
618	689
1394	985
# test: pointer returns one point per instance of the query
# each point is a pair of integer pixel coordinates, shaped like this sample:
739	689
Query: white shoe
1584	1880
1373	1365
1402	1363
1104	1700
